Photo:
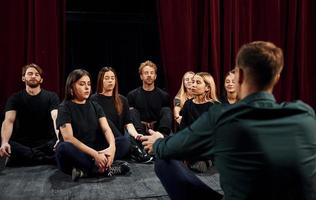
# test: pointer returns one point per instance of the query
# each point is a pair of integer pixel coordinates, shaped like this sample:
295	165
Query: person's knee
63	147
122	147
134	112
160	166
166	111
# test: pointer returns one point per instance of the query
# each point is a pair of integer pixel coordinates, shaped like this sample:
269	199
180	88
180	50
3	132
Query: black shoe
3	162
118	168
140	155
76	174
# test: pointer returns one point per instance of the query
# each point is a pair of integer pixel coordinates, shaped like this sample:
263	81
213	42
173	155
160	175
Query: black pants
22	155
163	124
122	142
181	183
69	156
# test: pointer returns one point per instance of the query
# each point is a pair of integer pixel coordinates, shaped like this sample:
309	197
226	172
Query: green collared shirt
262	149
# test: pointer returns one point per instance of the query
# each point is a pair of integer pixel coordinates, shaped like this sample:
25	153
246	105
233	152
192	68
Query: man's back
265	150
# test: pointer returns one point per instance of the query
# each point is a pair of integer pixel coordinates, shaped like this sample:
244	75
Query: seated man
28	130
262	149
150	105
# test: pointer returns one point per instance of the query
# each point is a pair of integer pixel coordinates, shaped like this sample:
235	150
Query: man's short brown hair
38	69
147	63
262	61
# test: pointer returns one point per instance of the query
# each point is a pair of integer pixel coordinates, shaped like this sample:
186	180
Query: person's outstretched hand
149	140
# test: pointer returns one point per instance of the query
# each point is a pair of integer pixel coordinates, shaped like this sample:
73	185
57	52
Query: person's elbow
68	138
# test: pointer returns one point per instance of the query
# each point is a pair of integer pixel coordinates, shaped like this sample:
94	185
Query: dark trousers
122	142
68	156
163	124
181	183
22	155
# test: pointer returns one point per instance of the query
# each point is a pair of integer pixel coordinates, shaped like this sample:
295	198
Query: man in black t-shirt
28	130
150	105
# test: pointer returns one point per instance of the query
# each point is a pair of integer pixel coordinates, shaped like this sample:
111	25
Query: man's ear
241	76
276	78
41	81
23	78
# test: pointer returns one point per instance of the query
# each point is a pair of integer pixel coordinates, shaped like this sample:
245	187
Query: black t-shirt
84	119
33	125
107	103
148	103
191	111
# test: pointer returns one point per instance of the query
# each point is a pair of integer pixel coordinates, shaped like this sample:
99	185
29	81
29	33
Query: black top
191	111
84	119
224	100
33	125
107	103
148	103
262	149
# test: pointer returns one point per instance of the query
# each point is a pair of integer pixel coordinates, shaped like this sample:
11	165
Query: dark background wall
120	34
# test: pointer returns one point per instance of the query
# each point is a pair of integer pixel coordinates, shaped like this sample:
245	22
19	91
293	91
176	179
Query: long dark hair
117	100
73	77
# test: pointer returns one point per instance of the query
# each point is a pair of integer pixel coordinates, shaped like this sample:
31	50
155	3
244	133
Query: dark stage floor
46	182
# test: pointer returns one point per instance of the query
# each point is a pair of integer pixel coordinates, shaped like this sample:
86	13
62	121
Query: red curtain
31	32
205	35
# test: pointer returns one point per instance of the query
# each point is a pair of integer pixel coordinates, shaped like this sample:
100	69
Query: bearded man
150	105
28	132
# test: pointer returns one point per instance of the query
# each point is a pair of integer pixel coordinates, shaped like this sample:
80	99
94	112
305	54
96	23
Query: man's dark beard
33	84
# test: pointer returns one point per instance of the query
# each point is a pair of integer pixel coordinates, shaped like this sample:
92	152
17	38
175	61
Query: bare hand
148	141
101	161
178	119
138	136
109	153
5	150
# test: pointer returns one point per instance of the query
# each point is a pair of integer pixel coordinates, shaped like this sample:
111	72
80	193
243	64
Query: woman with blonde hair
184	93
204	91
230	93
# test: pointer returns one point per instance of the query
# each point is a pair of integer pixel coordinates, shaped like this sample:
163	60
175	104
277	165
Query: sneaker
199	166
140	155
3	162
118	168
76	174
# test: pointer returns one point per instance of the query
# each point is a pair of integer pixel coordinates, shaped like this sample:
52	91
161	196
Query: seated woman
116	109
183	95
230	94
87	146
204	91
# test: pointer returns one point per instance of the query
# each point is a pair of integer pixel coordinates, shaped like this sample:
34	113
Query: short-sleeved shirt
108	105
84	119
33	125
148	103
191	111
262	149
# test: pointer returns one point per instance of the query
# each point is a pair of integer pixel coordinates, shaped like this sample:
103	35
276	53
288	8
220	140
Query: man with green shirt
262	149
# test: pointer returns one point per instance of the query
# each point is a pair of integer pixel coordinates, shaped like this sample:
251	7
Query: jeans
181	183
68	157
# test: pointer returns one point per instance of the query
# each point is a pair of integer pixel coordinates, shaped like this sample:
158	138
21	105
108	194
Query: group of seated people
249	137
87	135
